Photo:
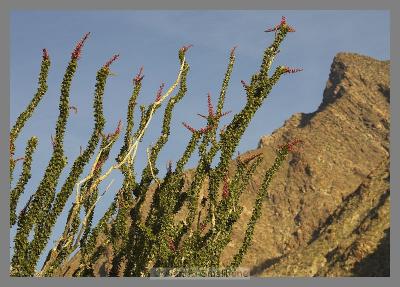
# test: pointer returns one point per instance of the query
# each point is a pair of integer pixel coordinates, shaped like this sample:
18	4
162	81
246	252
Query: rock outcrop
329	207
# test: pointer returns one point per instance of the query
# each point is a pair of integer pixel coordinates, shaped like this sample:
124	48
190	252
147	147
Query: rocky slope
328	213
346	141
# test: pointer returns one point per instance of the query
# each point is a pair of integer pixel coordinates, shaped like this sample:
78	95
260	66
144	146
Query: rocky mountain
328	208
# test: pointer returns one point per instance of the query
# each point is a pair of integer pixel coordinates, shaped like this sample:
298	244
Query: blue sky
152	39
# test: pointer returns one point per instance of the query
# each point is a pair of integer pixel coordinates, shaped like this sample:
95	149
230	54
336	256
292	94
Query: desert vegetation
180	228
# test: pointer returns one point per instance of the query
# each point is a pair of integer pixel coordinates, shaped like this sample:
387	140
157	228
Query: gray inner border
8	5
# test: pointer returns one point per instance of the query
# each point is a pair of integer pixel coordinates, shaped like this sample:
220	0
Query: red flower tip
115	133
233	50
45	54
291	70
185	48
282	23
118	129
78	49
291	29
109	62
291	144
139	77
159	92
210	106
225	113
193	130
276	27
203	130
189	127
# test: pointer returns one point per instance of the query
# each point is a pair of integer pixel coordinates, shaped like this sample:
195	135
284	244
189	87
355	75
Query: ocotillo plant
179	229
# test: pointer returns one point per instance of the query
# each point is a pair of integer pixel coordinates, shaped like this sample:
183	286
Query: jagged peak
352	70
357	80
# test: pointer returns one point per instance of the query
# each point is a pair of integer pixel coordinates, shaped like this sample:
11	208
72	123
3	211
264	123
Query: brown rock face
327	212
346	140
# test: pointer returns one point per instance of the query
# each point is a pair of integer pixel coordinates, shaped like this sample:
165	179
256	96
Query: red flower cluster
205	129
116	132
193	130
292	70
277	27
185	48
233	51
118	129
45	54
109	62
78	49
291	144
138	76
211	115
159	92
